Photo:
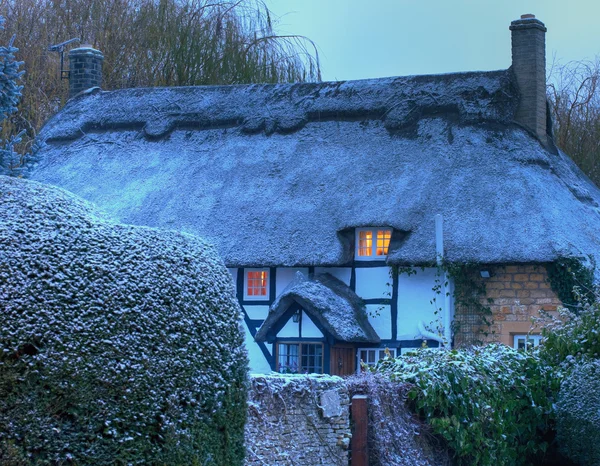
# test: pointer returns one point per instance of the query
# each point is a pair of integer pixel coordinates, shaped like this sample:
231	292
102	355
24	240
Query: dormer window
256	284
372	243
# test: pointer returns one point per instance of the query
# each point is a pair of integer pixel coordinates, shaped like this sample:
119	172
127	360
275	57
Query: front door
343	360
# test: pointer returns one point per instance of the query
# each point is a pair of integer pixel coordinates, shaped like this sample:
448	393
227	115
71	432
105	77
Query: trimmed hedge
491	404
578	414
118	344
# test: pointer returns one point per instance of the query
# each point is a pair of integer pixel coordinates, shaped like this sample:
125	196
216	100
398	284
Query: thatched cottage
322	198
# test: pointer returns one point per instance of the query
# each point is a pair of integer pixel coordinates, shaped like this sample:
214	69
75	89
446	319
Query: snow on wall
297	420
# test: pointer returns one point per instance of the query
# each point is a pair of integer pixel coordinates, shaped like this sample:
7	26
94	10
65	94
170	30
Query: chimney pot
528	16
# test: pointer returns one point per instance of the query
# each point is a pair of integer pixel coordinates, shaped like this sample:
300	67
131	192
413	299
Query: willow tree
574	97
152	43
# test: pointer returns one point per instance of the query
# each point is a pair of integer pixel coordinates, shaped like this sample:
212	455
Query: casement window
256	284
300	358
371	356
372	243
526	341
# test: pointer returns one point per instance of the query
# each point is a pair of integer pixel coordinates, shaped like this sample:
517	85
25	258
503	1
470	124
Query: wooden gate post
360	421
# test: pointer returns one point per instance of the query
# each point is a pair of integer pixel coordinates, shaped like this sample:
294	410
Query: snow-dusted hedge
578	413
491	404
118	344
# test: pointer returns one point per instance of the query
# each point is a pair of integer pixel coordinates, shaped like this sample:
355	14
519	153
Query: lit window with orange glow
372	243
365	243
383	242
256	284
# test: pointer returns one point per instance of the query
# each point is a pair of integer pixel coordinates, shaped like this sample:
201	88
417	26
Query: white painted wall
290	329
256	312
285	275
382	323
372	282
233	273
309	329
414	295
341	273
258	363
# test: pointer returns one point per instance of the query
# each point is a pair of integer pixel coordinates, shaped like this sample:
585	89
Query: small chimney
529	65
85	69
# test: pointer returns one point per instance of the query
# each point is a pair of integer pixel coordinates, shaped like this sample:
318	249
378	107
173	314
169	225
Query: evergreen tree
10	93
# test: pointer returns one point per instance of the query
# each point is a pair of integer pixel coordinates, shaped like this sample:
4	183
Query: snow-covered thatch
329	302
280	175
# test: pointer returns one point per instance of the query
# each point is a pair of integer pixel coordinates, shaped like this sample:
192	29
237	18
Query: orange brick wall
518	292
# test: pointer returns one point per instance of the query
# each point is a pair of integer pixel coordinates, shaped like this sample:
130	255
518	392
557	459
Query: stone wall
297	420
517	293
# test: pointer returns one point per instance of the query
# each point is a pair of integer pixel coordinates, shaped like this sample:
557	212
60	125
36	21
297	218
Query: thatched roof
281	174
335	307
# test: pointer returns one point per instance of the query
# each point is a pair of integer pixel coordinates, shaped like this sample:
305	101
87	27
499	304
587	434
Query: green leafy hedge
572	336
491	404
578	414
118	344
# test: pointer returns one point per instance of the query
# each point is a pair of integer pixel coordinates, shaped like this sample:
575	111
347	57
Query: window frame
378	351
264	297
374	231
536	339
299	355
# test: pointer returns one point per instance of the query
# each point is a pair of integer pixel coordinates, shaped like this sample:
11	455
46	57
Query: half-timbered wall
395	306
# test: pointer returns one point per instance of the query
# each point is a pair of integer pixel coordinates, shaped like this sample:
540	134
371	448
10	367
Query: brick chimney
528	36
85	69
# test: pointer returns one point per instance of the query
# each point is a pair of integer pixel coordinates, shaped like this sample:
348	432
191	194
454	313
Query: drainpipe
446	340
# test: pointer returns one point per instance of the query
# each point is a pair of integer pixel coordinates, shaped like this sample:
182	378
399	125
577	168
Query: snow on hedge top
328	301
281	175
138	328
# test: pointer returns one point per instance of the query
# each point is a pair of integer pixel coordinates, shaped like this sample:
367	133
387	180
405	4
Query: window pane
256	283
383	242
312	357
365	243
287	355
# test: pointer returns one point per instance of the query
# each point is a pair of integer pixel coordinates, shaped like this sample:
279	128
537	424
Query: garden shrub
118	344
572	336
491	404
578	414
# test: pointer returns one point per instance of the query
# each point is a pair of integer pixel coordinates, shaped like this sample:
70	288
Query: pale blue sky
376	38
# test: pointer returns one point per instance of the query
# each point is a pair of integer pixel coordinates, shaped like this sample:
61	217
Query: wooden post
360	420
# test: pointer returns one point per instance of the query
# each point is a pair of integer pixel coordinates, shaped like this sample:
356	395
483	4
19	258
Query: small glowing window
383	242
372	243
257	284
365	243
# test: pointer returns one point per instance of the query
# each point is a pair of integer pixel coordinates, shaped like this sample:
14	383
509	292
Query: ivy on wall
568	278
469	291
